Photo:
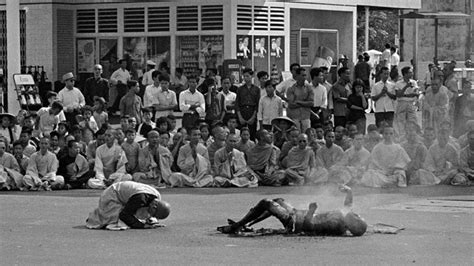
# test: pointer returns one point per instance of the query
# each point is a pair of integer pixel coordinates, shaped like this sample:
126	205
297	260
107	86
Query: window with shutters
260	18
158	19
134	20
277	18
187	18
212	17
244	17
85	21
107	20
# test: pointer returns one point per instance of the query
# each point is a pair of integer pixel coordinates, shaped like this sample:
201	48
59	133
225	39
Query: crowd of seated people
226	140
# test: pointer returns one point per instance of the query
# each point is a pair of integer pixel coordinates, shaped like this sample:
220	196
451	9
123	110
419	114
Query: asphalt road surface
47	228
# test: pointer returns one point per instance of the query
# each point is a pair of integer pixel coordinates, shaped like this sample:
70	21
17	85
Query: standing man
119	78
383	94
407	93
339	95
96	86
160	97
147	77
386	55
300	100
71	98
246	103
362	71
286	84
192	104
394	61
320	99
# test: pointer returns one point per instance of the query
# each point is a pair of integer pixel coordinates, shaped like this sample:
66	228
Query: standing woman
357	105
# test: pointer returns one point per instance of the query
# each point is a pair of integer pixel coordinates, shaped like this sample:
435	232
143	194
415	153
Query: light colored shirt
71	98
165	99
42	165
109	161
7	160
187	99
120	74
150	97
401	84
147	79
229	99
384	103
320	96
386	55
47	121
269	109
329	156
394	59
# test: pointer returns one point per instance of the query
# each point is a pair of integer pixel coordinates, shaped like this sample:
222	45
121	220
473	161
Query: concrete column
13	52
366	47
415	48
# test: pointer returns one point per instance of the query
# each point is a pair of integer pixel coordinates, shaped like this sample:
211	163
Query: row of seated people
230	160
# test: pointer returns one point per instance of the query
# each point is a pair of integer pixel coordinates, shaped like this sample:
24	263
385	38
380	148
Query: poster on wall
108	56
260	53
134	51
85	55
244	53
158	50
277	48
211	51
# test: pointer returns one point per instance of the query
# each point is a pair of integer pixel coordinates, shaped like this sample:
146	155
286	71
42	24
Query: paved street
48	228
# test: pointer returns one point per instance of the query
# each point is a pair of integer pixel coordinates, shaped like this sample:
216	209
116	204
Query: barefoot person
123	202
335	223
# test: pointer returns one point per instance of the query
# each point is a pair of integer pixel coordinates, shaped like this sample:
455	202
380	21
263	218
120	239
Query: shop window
85	21
187	18
158	19
134	20
108	56
260	21
277	18
212	17
108	20
158	49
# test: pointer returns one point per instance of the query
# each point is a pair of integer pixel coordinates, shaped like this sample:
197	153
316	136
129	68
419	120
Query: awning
434	15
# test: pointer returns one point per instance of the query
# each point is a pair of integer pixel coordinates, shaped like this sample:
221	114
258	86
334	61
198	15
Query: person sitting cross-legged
388	163
109	165
154	162
74	167
41	171
193	160
263	160
465	173
300	162
230	167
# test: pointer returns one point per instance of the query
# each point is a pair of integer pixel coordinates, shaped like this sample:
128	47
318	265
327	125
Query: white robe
387	166
109	165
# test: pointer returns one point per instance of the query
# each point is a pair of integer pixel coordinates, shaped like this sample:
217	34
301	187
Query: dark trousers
80	181
121	91
322	117
340	121
384	116
71	117
189	120
247	112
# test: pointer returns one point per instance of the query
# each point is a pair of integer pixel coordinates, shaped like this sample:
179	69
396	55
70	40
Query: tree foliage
383	26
